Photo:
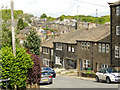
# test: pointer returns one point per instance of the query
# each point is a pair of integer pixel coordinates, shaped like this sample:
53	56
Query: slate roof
115	3
93	34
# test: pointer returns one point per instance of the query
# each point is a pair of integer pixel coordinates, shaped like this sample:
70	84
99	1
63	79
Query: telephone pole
13	29
77	17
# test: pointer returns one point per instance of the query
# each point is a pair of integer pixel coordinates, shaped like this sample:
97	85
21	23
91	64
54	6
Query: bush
15	68
34	74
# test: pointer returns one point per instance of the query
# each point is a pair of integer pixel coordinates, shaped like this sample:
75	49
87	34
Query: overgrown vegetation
15	68
32	42
83	18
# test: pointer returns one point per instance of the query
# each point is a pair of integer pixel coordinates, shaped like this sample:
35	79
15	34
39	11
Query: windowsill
45	53
58	63
58	49
117	57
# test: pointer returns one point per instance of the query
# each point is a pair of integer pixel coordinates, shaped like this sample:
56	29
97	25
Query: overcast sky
55	8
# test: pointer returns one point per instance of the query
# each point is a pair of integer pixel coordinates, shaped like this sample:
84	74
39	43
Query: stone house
47	53
63	52
47	56
115	33
64	55
93	49
69	53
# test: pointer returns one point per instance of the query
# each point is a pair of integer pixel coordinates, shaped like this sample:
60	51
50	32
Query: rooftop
93	34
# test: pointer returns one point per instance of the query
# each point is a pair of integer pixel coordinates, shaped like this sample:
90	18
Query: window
45	50
117	52
58	46
57	60
104	66
82	45
73	49
88	46
69	48
46	62
85	45
51	51
118	10
117	30
99	47
103	48
107	48
86	63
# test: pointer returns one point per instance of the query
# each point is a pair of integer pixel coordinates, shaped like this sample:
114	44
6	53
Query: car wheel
97	79
50	83
108	80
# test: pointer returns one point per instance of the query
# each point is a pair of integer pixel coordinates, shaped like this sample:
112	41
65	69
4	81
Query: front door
81	65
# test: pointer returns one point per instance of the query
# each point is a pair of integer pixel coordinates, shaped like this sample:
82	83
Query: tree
43	15
15	68
6	34
62	17
34	74
20	24
33	42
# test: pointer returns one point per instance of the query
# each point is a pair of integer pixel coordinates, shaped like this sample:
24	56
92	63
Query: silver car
108	75
46	77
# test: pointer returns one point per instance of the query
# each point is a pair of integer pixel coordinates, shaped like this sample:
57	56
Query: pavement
73	74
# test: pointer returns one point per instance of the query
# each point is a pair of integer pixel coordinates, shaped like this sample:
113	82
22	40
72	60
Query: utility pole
77	17
12	26
96	16
77	12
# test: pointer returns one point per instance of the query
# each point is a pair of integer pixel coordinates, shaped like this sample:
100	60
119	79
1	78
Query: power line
91	3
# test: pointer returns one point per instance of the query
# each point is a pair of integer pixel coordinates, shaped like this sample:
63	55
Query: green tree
49	19
62	17
6	34
6	14
43	15
20	24
15	68
33	42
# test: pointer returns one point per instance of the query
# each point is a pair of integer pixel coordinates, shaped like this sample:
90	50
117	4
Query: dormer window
118	10
117	30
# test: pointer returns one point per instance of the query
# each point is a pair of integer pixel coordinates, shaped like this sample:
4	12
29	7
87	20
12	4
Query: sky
56	8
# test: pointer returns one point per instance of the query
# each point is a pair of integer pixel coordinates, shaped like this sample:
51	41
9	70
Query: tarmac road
68	82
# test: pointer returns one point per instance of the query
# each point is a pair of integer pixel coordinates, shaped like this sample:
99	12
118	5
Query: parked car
46	77
50	70
108	74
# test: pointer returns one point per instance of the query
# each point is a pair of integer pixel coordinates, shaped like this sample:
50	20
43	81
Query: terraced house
115	33
82	48
64	52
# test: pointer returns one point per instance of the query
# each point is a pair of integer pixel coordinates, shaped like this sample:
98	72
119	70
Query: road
68	82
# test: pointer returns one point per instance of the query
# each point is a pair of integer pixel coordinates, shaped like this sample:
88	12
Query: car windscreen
112	70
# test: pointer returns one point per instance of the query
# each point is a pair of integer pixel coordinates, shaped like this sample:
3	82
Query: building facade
47	56
65	55
115	33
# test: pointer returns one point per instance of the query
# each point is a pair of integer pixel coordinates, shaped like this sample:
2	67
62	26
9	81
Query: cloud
56	8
